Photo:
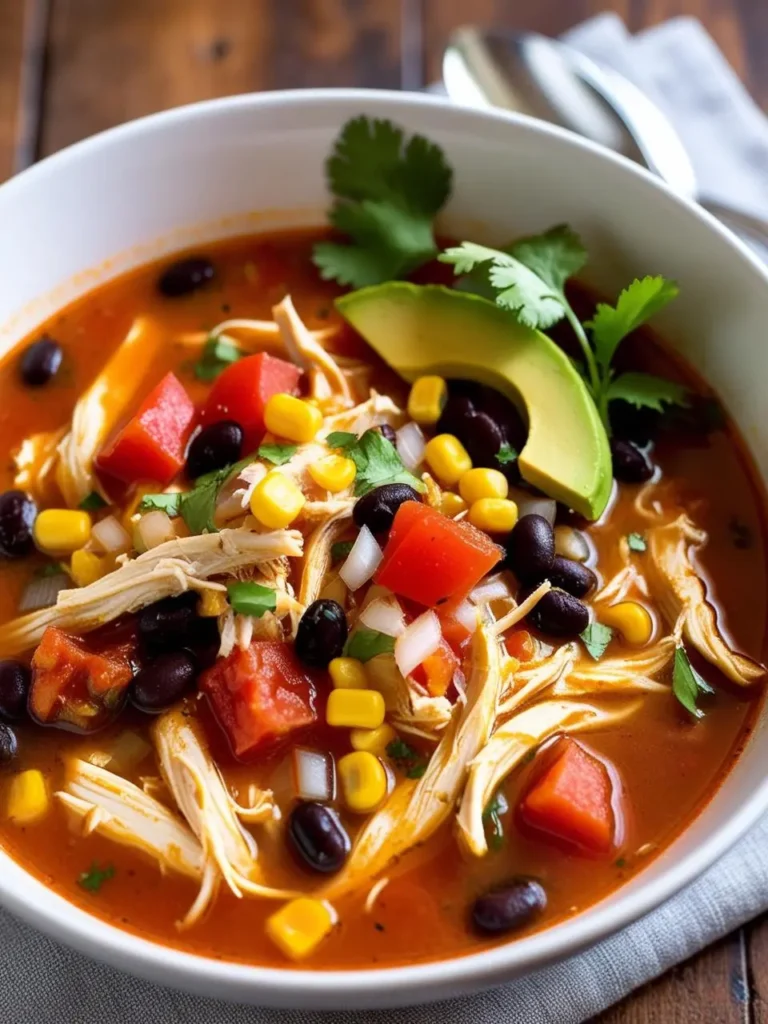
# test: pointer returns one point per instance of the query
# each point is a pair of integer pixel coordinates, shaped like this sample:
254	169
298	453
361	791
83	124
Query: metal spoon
544	78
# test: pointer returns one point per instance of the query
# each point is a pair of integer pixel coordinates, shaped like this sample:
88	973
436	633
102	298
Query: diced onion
417	642
411	445
314	774
111	536
466	614
571	543
42	591
385	615
530	505
493	589
362	561
155	528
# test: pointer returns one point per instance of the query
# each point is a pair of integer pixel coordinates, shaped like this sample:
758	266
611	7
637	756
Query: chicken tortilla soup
369	598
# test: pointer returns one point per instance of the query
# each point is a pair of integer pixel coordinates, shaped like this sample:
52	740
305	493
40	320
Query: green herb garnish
596	638
168	503
341	439
49	569
196	506
218	353
365	644
376	460
636	542
387	193
506	454
687	684
95	877
494	826
252	598
277	454
407	759
93	501
341	549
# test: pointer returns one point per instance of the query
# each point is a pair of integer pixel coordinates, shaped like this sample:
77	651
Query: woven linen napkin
43	982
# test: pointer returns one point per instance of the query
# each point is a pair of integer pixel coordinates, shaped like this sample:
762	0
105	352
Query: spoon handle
743	223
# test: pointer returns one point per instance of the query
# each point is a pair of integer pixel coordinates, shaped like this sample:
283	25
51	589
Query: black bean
572	576
8	744
216	446
322	633
504	414
559	614
377	508
388	432
169	624
458	410
508	908
482	437
17	517
632	424
15	678
458	388
40	362
531	548
318	837
163	682
185	276
629	464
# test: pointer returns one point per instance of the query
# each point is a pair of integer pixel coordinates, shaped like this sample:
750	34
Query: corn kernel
452	504
212	604
333	473
276	501
86	567
375	741
631	619
427	399
494	515
355	709
292	418
348	674
299	926
60	531
447	458
483	483
28	797
363	781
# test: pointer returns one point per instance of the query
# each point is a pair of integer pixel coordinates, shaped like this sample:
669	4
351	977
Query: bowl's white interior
237	166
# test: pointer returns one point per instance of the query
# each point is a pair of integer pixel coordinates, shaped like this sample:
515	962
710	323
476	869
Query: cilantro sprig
252	599
494	826
687	684
365	644
93	879
198	505
596	638
408	760
218	353
375	458
387	191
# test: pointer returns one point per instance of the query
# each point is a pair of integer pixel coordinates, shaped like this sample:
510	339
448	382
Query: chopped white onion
530	505
571	543
385	615
42	591
314	774
111	536
155	528
417	642
362	561
411	445
372	593
493	589
466	614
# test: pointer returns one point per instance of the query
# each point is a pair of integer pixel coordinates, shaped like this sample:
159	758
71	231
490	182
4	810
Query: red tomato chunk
573	800
432	559
260	696
152	445
243	389
436	672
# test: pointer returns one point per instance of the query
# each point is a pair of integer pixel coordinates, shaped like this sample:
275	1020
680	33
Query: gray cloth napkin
44	983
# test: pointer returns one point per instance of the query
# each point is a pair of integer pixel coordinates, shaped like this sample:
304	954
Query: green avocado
431	329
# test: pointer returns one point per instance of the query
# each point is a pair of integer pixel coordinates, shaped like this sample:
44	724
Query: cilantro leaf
340	439
341	549
218	353
196	506
168	503
506	454
376	460
252	598
596	638
554	255
277	454
387	192
636	542
496	806
645	390
407	759
93	879
636	304
687	684
93	501
50	569
365	644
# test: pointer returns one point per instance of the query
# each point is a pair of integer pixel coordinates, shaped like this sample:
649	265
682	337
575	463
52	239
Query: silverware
531	74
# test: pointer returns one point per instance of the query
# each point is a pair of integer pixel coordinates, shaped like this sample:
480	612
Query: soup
328	635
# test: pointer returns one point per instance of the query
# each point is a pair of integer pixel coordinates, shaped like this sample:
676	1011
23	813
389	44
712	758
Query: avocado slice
420	329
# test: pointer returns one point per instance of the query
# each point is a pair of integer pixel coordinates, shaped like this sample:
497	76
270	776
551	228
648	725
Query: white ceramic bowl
237	165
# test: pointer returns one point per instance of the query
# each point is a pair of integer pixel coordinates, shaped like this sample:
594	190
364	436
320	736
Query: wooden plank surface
69	68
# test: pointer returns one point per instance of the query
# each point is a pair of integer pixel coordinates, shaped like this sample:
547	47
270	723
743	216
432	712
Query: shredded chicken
317	554
409	707
683	600
167	570
326	379
633	673
520	611
376	410
252	335
36	462
434	492
535	678
509	745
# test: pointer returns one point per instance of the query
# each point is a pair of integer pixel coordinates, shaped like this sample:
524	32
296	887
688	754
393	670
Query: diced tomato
74	687
152	445
431	559
436	672
455	633
521	645
259	696
243	389
573	800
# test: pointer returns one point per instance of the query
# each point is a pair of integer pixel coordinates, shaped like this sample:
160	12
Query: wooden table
69	68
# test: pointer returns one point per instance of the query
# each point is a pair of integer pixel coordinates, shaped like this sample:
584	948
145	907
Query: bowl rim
426	980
